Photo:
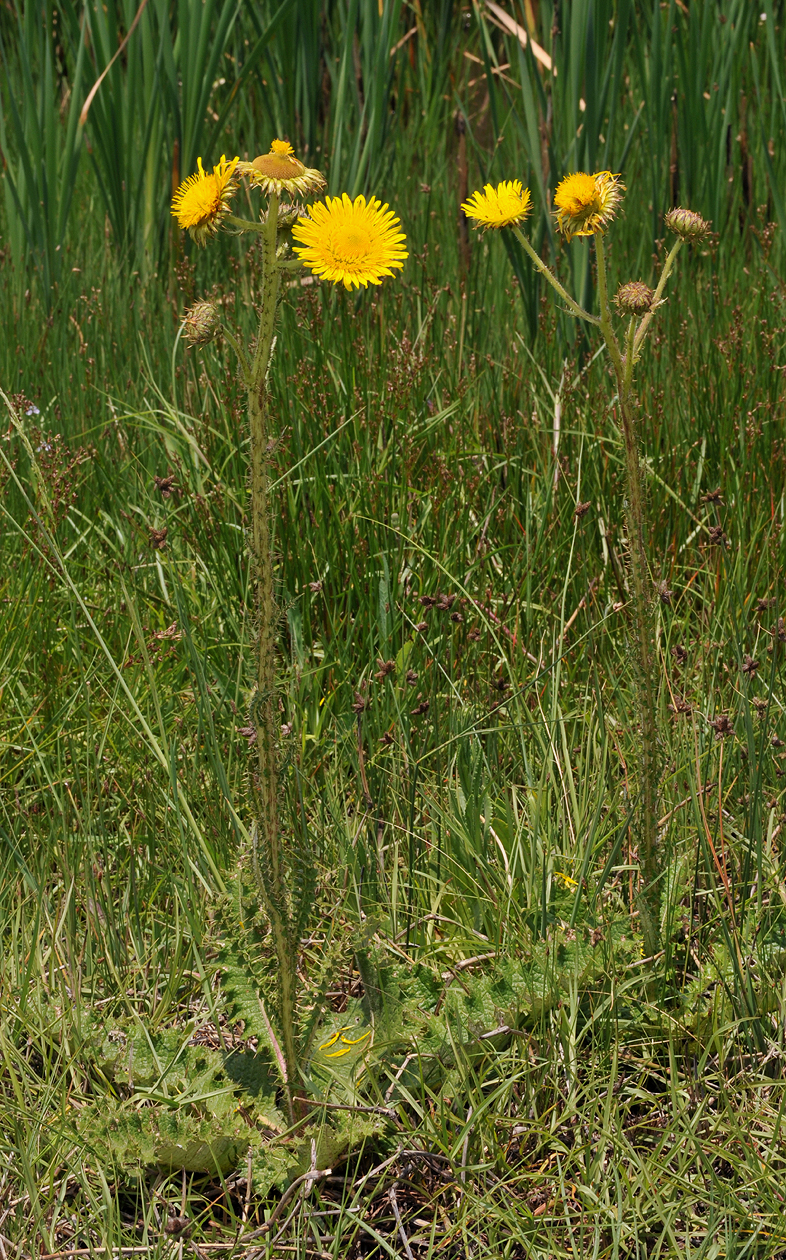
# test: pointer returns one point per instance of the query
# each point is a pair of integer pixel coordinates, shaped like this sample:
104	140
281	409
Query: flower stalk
268	860
642	620
353	243
585	205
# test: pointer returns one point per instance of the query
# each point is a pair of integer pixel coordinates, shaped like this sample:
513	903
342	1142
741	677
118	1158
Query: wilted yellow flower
586	204
202	200
503	206
350	242
279	170
344	1045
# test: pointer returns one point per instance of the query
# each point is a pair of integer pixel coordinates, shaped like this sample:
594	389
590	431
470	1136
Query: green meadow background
541	1089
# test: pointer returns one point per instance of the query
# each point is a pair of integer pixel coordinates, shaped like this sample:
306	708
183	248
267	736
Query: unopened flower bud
289	214
201	324
687	224
634	298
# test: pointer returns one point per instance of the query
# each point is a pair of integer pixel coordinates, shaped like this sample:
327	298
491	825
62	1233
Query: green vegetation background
470	823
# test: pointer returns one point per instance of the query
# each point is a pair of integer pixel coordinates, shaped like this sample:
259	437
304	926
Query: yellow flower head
279	170
586	204
202	201
499	207
350	242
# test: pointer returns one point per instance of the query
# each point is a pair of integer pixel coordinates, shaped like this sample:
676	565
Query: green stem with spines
268	857
642	618
642	591
656	301
548	274
244	225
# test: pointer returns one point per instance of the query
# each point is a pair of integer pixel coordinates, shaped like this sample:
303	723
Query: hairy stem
642	622
269	868
644	661
545	271
664	275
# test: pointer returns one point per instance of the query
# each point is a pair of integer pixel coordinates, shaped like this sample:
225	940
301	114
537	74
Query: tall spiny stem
268	861
642	618
642	621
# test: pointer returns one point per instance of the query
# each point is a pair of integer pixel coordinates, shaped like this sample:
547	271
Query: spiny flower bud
634	298
289	214
687	224
201	323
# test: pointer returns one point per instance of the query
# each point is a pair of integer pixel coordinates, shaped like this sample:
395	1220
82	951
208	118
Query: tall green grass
701	88
149	90
671	96
40	138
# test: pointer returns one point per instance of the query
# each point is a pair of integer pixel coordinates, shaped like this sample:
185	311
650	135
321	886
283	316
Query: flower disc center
352	244
579	196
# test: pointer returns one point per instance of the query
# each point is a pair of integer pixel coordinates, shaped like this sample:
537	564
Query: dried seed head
722	726
581	510
201	324
687	224
634	298
680	707
716	535
166	485
178	1225
749	665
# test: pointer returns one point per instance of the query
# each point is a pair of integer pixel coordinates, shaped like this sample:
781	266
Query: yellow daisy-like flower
279	170
350	242
586	204
202	200
503	206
